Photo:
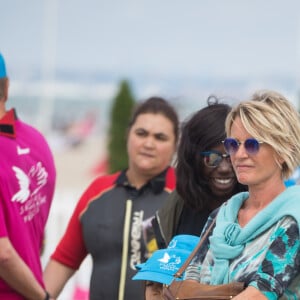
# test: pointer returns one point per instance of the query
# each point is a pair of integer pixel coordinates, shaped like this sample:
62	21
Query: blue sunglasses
232	145
213	158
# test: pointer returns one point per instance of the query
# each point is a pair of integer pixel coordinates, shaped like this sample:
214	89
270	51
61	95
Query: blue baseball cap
164	263
2	67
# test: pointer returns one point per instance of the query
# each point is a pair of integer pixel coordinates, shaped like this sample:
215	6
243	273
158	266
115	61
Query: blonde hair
271	118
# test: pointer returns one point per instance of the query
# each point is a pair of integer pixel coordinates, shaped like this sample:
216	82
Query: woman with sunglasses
205	179
256	236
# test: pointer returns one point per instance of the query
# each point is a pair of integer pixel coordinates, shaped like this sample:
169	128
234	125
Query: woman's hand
250	293
153	291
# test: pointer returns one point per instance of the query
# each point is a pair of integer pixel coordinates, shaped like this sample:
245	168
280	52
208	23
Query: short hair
157	105
269	117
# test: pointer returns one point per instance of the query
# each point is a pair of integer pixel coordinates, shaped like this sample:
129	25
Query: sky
226	38
187	43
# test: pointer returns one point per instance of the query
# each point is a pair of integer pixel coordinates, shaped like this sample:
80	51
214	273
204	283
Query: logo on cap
164	263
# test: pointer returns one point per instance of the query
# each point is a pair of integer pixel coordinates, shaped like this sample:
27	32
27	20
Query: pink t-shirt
27	182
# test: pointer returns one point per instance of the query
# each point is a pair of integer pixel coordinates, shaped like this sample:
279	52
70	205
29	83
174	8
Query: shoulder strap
179	273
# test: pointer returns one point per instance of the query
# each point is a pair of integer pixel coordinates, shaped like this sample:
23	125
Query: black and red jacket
97	228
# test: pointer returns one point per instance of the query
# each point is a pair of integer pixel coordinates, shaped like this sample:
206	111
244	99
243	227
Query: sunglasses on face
232	145
212	159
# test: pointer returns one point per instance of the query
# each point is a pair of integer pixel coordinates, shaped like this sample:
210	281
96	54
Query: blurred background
66	60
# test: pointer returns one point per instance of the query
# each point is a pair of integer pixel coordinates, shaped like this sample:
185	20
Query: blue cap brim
153	276
164	263
156	269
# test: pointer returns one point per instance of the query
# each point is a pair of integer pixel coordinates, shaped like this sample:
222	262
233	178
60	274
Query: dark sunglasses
213	158
232	145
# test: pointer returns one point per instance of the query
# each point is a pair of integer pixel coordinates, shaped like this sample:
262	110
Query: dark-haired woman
110	220
205	177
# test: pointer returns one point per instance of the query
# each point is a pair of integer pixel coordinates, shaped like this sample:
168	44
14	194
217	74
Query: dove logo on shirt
29	186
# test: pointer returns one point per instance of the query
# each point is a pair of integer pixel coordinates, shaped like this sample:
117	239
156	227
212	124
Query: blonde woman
256	237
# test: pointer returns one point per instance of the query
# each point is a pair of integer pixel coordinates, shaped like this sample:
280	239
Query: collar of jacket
157	183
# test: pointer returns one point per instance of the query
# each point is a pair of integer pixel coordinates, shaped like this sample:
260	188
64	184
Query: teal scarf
228	238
